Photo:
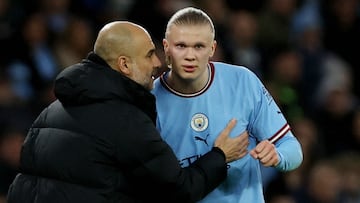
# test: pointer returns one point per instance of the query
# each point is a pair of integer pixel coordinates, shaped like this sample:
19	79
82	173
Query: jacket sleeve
158	174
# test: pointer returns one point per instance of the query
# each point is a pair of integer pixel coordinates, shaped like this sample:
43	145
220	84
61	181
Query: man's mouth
189	68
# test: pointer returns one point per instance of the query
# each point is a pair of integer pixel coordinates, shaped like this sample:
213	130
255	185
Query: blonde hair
190	16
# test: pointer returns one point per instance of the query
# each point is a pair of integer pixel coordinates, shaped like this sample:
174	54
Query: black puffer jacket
98	143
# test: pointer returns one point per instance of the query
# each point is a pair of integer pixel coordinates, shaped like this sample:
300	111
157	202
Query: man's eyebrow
200	43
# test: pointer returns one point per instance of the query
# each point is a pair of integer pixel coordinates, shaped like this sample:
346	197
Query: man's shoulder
227	66
221	68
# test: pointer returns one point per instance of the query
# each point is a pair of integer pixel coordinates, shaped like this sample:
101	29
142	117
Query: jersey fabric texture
190	123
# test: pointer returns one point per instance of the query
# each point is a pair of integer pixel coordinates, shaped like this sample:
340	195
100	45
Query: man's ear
166	53
123	65
213	48
165	45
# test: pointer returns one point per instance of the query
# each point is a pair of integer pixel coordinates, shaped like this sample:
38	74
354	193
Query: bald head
128	48
118	39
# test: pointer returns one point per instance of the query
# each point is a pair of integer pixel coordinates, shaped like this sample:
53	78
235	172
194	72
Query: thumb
231	124
253	154
225	133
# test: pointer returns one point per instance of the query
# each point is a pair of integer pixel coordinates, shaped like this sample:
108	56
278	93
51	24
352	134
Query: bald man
98	141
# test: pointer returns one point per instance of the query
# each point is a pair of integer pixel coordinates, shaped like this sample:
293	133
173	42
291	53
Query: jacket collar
93	81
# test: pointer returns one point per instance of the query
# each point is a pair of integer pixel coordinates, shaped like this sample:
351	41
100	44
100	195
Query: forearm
290	154
206	174
189	184
214	167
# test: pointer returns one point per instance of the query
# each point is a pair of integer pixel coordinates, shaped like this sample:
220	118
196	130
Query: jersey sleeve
268	123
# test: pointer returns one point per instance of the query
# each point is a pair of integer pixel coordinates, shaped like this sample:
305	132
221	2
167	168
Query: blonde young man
196	97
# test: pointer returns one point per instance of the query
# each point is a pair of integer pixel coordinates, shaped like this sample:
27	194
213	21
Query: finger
269	149
268	161
261	150
243	153
264	152
253	154
224	135
244	143
270	157
244	134
242	138
259	147
262	146
231	124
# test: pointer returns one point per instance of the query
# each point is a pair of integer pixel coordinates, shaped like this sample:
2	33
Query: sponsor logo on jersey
191	159
188	160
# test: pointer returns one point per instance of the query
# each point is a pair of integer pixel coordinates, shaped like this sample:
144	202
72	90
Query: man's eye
199	46
150	53
180	45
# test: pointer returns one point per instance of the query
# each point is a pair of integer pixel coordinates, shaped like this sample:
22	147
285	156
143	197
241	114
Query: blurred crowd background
305	51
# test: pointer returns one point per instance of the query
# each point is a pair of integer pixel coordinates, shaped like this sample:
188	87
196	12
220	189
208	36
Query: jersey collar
164	76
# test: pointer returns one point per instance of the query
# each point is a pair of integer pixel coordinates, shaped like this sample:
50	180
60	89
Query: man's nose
190	53
157	62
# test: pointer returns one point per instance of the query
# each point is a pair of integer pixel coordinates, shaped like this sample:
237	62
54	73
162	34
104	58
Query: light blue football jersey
190	123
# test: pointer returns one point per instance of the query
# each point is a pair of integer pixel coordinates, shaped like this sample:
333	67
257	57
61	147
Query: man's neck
188	86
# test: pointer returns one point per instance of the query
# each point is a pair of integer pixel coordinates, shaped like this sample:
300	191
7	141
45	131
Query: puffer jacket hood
78	85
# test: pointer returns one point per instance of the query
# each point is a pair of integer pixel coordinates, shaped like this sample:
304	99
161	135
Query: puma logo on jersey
202	139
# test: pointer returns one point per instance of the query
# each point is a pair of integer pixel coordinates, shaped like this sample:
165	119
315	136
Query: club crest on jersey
199	122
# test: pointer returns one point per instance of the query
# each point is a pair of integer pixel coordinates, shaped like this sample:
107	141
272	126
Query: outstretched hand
234	148
266	153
